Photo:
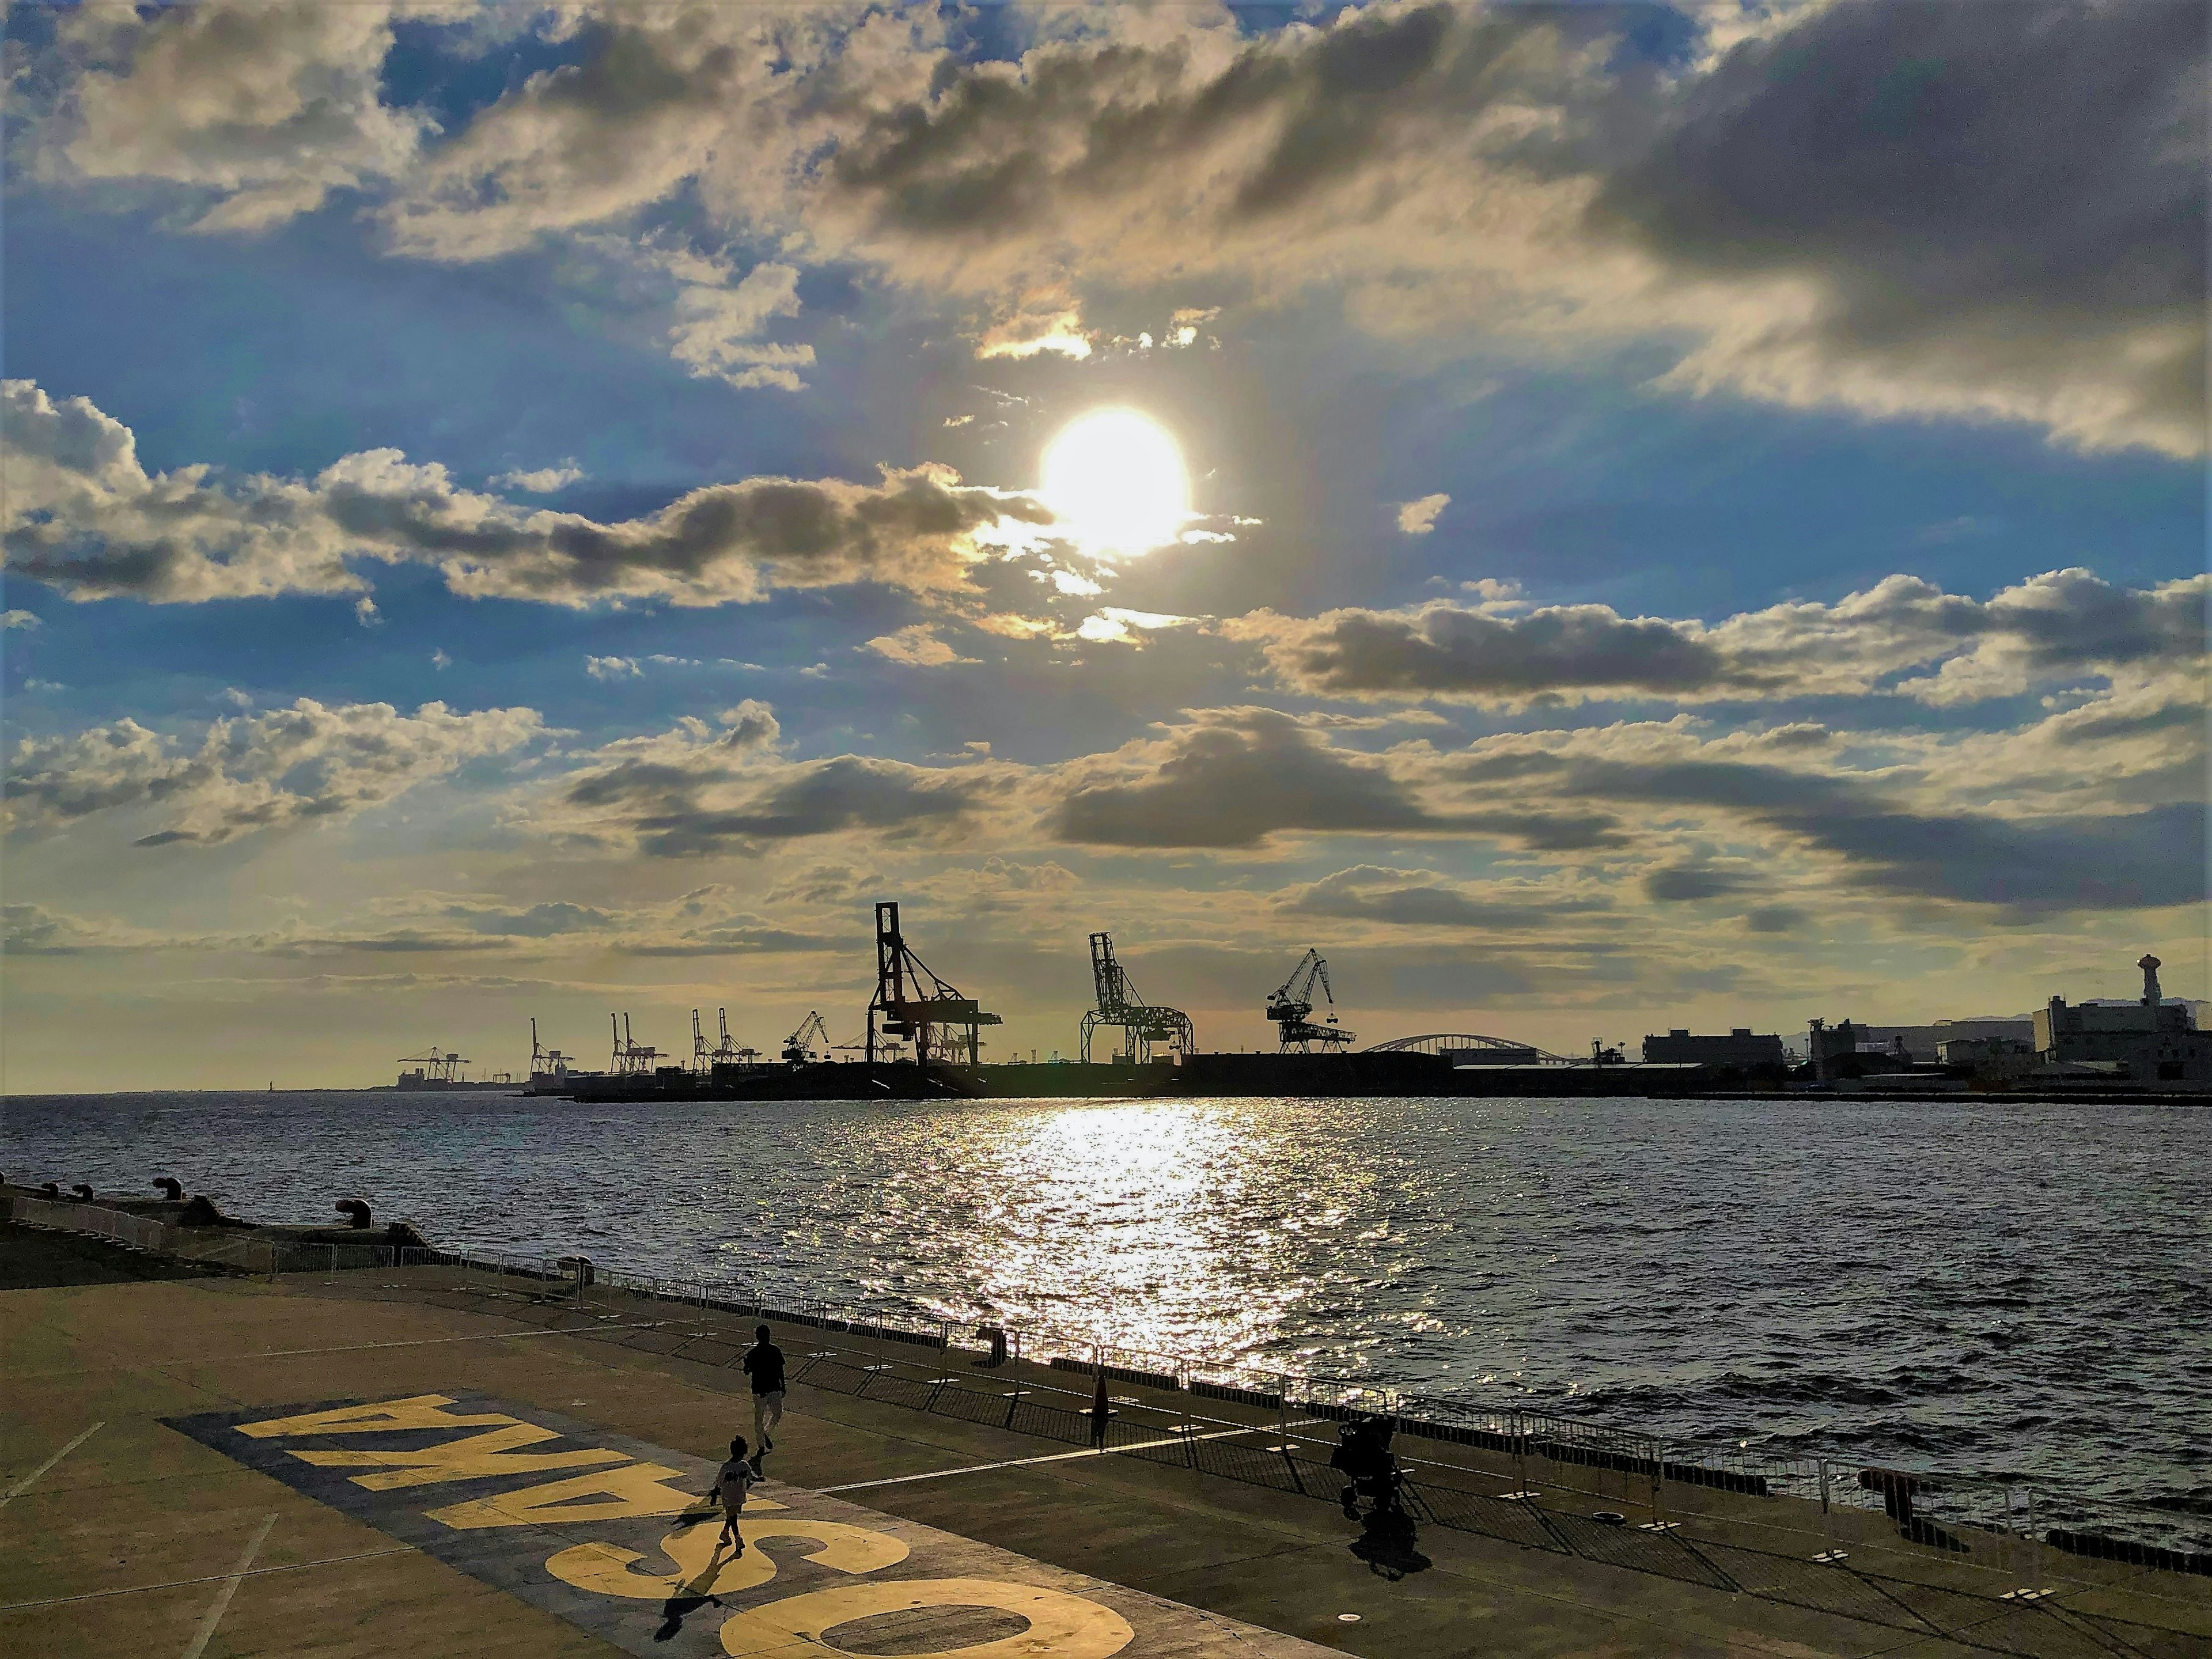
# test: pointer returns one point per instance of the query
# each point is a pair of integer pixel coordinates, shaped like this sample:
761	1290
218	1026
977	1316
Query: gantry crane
436	1067
1292	1004
631	1059
727	1052
1119	1004
910	1001
812	1036
546	1062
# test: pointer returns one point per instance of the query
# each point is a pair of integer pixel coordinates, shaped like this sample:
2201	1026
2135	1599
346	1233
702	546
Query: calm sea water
1977	1285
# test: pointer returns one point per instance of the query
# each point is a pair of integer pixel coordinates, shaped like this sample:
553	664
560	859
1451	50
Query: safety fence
1499	1471
1535	1480
99	1221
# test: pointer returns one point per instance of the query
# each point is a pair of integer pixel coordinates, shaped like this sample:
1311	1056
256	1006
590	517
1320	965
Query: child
732	1481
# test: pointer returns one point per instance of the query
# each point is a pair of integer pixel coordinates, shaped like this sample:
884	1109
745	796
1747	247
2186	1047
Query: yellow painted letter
421	1411
474	1458
702	1568
1063	1626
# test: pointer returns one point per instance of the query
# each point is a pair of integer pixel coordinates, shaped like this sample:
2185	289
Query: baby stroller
1363	1454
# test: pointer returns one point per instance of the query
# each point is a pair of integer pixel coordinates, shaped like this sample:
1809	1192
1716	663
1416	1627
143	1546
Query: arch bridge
1490	1050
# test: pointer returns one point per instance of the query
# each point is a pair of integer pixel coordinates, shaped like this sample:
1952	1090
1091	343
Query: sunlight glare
1114	479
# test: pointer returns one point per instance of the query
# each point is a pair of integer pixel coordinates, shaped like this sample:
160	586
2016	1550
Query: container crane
911	1001
436	1067
1292	1004
812	1034
1144	1023
727	1052
631	1059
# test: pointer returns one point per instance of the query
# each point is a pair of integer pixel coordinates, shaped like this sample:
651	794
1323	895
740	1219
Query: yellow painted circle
1060	1626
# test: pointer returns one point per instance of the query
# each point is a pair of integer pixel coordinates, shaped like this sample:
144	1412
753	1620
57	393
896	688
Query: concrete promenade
169	1483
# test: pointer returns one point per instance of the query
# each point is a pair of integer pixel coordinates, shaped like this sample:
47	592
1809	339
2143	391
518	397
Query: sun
1115	480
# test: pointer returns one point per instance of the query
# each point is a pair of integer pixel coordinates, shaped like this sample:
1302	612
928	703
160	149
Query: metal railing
1640	1477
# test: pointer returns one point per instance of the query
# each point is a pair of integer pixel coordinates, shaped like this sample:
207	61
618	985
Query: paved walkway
138	1514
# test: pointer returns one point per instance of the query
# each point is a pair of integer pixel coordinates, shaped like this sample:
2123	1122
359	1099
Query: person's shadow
688	1601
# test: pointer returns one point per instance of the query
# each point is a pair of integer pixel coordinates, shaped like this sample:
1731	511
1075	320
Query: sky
1599	519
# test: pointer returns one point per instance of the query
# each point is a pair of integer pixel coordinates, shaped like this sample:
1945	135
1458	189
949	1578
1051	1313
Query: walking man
732	1481
764	1364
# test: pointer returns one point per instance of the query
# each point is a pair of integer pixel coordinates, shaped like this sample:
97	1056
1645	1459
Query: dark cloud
1903	634
1411	899
2141	860
1237	777
85	517
2011	201
1444	650
695	805
1682	884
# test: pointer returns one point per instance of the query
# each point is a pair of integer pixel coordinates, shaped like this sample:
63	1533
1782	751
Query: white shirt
732	1482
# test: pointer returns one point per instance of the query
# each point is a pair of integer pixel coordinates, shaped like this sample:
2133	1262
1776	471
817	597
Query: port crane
631	1059
545	1062
1144	1023
727	1052
1292	1004
812	1034
911	1001
437	1068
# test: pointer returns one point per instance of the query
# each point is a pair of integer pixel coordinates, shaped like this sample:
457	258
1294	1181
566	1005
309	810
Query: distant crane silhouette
1292	1004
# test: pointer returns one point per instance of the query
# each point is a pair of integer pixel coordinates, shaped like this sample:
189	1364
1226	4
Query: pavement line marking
220	1605
26	1483
212	1579
1062	1457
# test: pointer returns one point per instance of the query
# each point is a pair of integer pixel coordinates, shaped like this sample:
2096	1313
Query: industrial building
2152	1039
1739	1050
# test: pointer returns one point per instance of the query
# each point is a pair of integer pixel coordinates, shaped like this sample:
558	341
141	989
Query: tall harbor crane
910	1001
1144	1024
631	1059
812	1036
1292	1003
699	1060
436	1067
727	1052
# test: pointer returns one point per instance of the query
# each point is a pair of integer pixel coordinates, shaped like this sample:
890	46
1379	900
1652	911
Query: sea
2014	1291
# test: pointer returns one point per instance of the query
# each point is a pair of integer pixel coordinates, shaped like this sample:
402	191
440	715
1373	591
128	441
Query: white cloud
1420	518
17	619
612	668
311	763
917	645
1028	332
265	108
544	481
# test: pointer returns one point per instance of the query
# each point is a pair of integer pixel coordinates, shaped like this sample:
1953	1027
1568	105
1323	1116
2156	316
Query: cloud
1898	211
1113	625
544	481
917	645
84	518
13	620
695	790
258	112
1235	778
1683	883
307	764
1039	323
1420	518
1422	898
717	324
612	668
1903	635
